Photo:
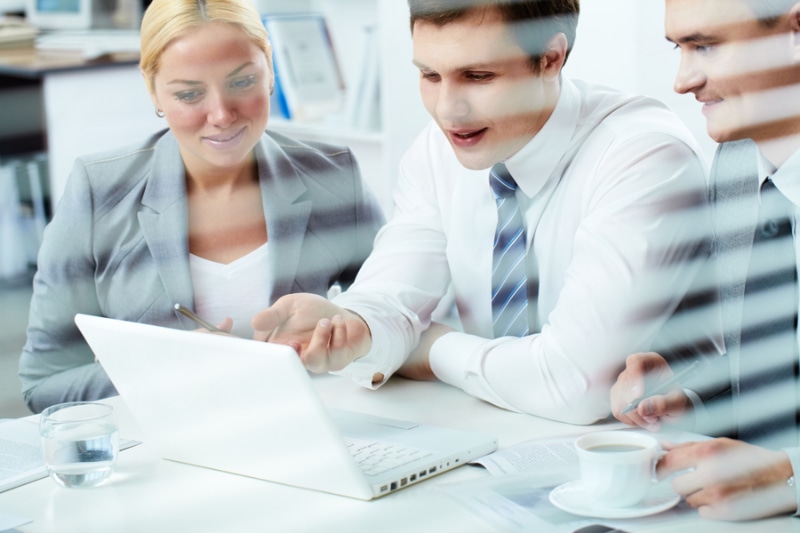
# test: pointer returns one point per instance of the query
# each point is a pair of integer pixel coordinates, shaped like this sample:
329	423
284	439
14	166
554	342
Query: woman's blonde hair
166	20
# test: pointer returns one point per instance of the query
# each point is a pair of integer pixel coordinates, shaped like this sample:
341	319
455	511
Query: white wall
282	6
92	110
621	43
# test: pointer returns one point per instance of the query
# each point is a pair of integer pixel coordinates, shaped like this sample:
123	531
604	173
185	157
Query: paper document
541	456
521	504
21	459
11	521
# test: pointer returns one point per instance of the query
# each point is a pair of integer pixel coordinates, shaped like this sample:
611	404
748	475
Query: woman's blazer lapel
164	222
287	208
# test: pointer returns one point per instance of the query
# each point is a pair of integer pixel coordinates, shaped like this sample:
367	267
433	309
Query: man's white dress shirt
600	185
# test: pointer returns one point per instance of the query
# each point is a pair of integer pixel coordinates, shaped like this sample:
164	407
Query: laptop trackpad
345	418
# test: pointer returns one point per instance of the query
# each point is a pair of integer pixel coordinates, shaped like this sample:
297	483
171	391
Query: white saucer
572	498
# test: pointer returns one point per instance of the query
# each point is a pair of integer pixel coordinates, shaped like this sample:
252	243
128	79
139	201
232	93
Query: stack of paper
15	32
90	44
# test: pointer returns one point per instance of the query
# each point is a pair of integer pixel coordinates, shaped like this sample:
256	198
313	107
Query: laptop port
404	482
394	485
412	478
432	470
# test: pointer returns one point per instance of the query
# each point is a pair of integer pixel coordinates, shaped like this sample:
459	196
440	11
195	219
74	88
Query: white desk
149	494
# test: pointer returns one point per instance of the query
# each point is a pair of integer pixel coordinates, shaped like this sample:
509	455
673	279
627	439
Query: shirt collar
533	164
786	178
765	169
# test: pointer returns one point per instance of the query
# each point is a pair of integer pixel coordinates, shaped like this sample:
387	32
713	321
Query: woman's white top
238	290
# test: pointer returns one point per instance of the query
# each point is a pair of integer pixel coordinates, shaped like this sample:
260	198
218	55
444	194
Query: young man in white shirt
741	60
612	195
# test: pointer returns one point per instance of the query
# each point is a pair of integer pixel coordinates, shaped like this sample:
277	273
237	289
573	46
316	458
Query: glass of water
80	442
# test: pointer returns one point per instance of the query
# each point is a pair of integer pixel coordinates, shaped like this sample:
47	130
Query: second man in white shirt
612	194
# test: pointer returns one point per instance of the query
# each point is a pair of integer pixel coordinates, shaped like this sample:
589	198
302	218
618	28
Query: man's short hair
769	12
532	22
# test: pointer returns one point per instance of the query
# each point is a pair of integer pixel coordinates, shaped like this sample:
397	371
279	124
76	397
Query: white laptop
250	408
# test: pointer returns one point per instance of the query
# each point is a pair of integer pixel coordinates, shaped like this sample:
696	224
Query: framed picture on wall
308	82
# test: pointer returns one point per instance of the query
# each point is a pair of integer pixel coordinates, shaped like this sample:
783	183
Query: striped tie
769	350
509	278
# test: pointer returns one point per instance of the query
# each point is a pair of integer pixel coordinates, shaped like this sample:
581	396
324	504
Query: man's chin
723	136
760	132
471	162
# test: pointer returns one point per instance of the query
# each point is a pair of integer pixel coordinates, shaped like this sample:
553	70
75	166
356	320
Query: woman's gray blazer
117	247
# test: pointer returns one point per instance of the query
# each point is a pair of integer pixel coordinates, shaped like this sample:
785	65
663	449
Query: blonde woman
213	212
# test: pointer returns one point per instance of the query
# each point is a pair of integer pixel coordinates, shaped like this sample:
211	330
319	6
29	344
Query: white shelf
324	130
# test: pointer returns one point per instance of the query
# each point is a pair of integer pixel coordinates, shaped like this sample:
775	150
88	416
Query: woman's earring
159	113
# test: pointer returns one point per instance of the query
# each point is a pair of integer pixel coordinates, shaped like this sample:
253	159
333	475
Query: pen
210	327
661	387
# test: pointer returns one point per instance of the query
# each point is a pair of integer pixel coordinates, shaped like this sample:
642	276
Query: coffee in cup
617	467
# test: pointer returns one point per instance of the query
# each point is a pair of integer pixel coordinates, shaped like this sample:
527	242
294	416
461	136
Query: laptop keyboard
375	457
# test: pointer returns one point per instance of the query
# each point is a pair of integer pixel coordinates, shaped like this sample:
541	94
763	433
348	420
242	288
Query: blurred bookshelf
23	215
381	111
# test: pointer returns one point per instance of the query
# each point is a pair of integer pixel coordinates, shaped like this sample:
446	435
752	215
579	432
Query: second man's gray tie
509	276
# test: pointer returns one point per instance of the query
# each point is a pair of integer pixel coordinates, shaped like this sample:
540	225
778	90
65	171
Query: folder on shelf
308	84
13	259
362	110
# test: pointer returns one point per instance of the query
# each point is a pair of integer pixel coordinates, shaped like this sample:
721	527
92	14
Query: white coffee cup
617	467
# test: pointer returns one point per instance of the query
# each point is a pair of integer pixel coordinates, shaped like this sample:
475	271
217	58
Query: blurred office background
46	120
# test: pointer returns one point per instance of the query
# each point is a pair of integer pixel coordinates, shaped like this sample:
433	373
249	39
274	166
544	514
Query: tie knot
502	183
773	203
768	187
